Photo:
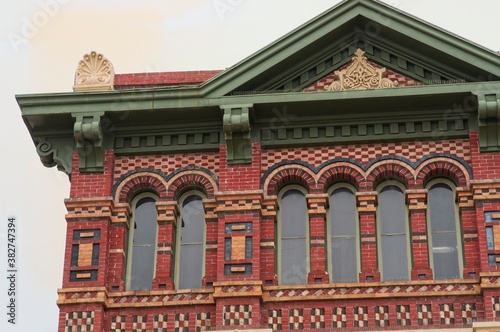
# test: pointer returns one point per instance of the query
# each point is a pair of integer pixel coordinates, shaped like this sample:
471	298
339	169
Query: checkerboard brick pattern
82	321
274	319
382	316
181	323
166	163
317	318
237	315
203	321
424	314
469	313
339	317
139	323
160	323
496	305
296	319
360	316
323	83
364	153
403	317
446	314
118	323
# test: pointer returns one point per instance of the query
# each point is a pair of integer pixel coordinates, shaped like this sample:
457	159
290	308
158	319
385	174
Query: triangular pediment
411	50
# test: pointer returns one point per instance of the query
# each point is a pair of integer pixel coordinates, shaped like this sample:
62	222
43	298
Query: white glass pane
344	265
145	222
141	275
143	245
190	273
191	243
293	261
343	212
442	208
293	214
445	256
394	257
392	210
193	220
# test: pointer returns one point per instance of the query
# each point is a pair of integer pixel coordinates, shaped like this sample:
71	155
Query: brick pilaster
416	201
317	205
367	209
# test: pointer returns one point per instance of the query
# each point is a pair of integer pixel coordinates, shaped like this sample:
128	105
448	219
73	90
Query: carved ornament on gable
361	75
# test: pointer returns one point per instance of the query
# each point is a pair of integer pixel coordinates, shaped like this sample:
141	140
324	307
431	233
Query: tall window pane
192	233
343	236
142	265
293	249
393	247
443	229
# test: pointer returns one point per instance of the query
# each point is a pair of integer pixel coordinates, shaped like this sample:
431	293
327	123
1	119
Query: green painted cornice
260	98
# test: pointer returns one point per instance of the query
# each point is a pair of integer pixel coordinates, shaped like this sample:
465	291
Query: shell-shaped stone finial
94	73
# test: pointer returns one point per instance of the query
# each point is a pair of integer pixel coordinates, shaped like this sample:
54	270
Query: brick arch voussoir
340	173
138	183
389	169
446	168
190	180
288	175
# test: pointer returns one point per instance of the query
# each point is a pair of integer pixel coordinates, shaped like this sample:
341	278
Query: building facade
346	177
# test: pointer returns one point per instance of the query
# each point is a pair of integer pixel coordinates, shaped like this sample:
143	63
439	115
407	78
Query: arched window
392	230
293	244
190	242
141	258
342	230
443	228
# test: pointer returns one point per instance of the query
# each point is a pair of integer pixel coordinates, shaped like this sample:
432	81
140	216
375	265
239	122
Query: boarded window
392	228
443	230
192	234
293	248
343	244
142	265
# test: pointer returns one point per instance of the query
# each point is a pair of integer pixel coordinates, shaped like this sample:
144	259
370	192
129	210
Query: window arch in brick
142	240
342	234
288	174
392	232
190	241
445	247
293	236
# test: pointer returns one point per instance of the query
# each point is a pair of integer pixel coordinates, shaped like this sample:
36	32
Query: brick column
468	218
268	241
416	201
167	219
317	206
117	247
211	244
367	209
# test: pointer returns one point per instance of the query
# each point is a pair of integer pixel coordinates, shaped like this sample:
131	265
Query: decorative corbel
56	152
89	141
489	121
236	126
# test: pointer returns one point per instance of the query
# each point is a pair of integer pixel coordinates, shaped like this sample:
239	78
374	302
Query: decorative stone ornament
361	75
94	73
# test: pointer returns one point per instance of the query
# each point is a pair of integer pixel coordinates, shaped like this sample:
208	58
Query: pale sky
41	42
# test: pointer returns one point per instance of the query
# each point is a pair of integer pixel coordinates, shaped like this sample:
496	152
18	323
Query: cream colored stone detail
94	73
361	75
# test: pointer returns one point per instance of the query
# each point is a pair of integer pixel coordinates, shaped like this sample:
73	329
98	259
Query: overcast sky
41	42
